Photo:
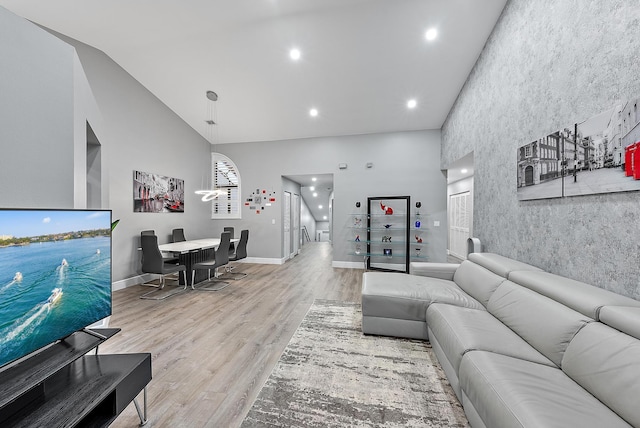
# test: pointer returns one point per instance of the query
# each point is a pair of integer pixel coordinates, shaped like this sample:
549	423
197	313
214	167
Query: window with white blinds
225	178
459	223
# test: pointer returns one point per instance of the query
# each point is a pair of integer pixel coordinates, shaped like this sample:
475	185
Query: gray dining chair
221	258
240	253
232	247
152	262
177	235
171	259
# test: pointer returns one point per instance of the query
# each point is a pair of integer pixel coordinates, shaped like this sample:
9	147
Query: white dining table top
192	245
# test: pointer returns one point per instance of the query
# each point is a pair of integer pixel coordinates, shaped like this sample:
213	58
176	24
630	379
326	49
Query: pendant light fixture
212	137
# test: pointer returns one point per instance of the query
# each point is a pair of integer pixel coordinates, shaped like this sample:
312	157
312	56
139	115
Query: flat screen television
55	276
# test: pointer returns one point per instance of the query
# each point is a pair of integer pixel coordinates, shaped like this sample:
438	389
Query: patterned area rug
331	375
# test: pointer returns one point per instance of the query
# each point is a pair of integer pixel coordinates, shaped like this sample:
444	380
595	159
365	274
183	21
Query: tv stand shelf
63	386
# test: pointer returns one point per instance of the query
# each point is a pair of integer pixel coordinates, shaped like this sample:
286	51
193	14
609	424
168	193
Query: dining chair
241	253
232	247
221	258
177	235
171	259
152	262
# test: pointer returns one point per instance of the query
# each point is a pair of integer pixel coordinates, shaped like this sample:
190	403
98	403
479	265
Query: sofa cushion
510	392
403	296
606	363
577	295
545	324
434	270
477	281
622	318
459	330
500	265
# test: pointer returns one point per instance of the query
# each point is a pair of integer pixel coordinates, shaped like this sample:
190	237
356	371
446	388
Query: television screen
55	276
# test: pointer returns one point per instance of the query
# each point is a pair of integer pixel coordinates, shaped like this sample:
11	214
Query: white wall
45	104
36	116
404	163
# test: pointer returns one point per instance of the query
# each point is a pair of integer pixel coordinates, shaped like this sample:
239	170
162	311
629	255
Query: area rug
331	375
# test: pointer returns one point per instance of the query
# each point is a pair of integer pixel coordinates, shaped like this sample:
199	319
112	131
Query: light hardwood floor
212	351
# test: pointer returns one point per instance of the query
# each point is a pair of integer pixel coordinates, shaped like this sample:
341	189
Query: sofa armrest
434	270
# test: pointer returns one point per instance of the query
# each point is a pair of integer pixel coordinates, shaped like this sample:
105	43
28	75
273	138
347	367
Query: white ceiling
322	185
361	59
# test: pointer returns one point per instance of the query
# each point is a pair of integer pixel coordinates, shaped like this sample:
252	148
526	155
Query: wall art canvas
598	155
154	193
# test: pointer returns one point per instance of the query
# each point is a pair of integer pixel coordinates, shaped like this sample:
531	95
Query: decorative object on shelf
417	252
357	204
418	239
357	238
418	224
387	210
418	205
383	232
358	249
357	222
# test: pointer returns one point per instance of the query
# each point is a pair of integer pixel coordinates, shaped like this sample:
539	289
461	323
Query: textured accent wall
548	64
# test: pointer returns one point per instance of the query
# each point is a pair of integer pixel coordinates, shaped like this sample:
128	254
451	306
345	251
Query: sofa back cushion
577	295
477	281
500	265
606	362
545	324
625	319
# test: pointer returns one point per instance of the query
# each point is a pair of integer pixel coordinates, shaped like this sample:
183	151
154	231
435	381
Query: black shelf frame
406	201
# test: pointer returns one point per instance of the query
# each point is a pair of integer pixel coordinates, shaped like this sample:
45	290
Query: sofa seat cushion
459	330
606	362
403	296
510	392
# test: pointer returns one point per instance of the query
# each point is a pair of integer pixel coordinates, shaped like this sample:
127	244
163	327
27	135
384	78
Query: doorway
460	206
310	209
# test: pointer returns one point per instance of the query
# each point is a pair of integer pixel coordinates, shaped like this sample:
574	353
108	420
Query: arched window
226	178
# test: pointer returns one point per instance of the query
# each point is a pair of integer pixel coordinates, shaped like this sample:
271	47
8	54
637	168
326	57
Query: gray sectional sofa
521	347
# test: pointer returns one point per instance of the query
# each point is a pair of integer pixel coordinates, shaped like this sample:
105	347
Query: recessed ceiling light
295	54
313	179
315	195
412	103
464	170
431	34
313	112
324	217
312	188
320	206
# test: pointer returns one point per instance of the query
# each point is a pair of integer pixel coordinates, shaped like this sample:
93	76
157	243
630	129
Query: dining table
191	252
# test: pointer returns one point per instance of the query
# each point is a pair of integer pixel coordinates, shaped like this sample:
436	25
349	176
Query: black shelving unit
63	386
388	223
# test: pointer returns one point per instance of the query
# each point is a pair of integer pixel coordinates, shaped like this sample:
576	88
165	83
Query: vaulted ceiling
360	61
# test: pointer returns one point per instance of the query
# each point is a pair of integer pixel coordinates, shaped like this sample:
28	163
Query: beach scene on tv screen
55	276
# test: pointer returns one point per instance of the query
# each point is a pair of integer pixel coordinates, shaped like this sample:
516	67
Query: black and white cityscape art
153	193
598	155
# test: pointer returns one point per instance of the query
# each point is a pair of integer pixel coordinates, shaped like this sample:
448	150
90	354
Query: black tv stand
65	386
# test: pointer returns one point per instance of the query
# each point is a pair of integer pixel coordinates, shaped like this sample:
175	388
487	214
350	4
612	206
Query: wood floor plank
213	351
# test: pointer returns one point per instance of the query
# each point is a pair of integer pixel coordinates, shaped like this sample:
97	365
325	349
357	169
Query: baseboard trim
264	260
347	265
134	280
